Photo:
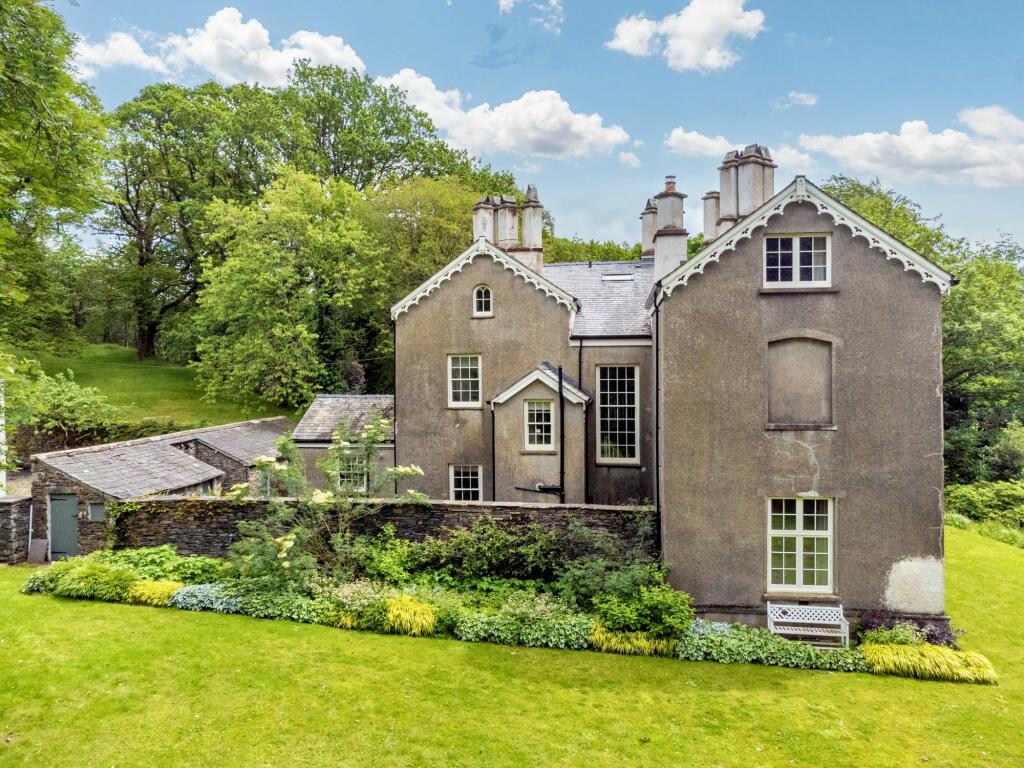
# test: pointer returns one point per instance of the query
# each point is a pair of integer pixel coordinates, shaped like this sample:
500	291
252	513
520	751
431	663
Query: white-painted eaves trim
803	191
570	392
485	248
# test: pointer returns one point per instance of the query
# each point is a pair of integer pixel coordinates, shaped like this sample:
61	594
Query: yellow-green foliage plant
929	662
339	618
408	616
155	593
629	643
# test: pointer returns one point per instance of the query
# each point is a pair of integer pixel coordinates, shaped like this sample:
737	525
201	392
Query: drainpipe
394	388
657	406
494	463
561	440
586	431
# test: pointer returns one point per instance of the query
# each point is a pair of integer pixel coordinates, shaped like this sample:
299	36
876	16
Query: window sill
628	464
800	428
799	289
543	452
477	407
482	317
802	597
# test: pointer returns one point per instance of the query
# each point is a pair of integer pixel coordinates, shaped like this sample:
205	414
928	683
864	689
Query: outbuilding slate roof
326	412
135	470
611	294
151	465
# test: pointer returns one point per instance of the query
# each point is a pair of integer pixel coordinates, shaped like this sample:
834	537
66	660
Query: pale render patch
916	585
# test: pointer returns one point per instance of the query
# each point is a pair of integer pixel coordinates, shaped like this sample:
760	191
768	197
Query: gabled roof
326	412
611	295
484	248
546	373
801	191
124	471
247	441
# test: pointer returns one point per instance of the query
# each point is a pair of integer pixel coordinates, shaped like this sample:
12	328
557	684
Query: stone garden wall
14	514
208	526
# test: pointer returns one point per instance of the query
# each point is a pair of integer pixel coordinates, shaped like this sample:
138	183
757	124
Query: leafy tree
50	141
982	318
559	249
291	308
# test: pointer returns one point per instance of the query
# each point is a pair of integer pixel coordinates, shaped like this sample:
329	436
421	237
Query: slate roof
548	374
247	441
135	470
328	411
608	307
151	465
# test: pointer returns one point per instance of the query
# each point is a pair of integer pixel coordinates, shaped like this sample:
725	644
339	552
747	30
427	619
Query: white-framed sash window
464	381
800	533
539	424
797	261
618	414
464	482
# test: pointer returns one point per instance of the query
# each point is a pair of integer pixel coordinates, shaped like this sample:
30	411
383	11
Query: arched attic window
483	302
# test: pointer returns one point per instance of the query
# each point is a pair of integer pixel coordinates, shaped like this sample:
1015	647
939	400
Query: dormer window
803	261
483	304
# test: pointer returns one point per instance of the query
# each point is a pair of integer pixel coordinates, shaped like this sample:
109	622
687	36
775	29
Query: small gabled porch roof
547	374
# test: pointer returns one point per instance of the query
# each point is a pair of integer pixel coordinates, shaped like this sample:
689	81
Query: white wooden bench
821	622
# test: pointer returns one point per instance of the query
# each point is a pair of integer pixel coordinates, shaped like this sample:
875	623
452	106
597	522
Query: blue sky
594	102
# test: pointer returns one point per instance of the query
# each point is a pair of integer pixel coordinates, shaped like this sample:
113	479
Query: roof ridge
168	437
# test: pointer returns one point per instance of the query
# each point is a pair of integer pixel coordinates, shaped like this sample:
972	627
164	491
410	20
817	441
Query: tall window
799	382
464	381
464	482
800	545
353	474
540	433
618	414
801	260
482	302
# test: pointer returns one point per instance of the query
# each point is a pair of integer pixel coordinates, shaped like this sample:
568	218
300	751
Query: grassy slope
90	683
150	389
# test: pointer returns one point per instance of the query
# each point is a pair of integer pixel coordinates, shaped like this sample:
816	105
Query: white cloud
793	162
548	14
991	155
227	47
638	142
233	50
795	99
539	123
119	50
630	159
696	38
694	144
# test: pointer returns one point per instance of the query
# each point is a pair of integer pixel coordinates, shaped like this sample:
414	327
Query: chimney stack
483	219
711	201
507	223
747	181
670	237
648	226
531	251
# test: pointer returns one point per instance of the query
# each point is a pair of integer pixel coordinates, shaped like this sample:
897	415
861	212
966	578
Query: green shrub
155	593
204	597
282	605
384	557
1004	533
527	619
901	633
929	662
163	563
659	611
739	644
90	580
999	501
955	520
44	579
630	643
408	616
487	550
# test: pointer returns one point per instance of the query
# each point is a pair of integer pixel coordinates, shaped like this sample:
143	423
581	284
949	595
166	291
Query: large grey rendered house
777	396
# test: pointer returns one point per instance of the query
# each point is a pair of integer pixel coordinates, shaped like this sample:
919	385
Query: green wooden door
63	526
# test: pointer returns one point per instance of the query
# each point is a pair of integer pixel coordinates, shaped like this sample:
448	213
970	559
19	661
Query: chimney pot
670	237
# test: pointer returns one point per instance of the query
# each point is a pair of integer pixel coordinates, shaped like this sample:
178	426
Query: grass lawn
153	389
98	684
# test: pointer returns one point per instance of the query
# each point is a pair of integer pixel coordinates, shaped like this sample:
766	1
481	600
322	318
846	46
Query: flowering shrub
204	597
530	620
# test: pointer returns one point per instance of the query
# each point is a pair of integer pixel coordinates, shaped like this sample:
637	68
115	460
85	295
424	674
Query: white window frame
479	481
635	459
364	483
801	535
542	447
796	282
478	403
490	301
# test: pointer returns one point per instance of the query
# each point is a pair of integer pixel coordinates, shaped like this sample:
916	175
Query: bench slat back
806	614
